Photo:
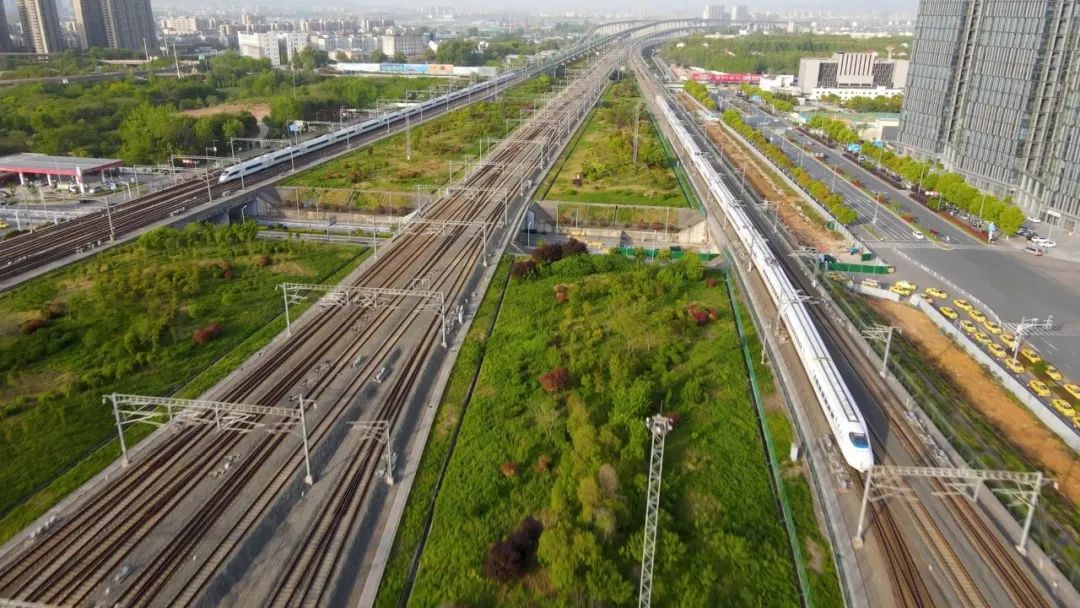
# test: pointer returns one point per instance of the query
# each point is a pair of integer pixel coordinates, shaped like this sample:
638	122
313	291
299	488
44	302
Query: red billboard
724	78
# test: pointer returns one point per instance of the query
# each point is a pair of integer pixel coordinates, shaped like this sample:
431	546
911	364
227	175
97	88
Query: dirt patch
1014	421
290	267
804	229
258	110
36	383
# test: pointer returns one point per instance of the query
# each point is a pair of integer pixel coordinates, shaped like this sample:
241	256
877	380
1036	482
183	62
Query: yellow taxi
1008	340
1073	390
963	305
1064	407
983	339
934	292
978	316
1053	373
948	313
968	327
1014	366
1039	388
1076	423
992	327
1030	355
836	276
900	290
997	350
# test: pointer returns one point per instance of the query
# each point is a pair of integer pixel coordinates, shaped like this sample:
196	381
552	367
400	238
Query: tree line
769	53
929	177
817	189
140	120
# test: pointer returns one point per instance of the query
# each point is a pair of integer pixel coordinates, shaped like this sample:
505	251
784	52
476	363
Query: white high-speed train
845	419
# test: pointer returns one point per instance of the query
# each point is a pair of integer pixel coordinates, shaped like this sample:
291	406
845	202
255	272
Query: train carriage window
858	440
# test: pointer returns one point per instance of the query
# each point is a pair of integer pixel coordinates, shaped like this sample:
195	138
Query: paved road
1011	284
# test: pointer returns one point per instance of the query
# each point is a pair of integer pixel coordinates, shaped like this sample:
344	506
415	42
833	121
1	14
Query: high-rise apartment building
740	13
41	26
90	22
5	34
119	24
993	92
129	24
714	12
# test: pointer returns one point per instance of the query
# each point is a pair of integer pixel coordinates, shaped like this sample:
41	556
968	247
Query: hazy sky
656	7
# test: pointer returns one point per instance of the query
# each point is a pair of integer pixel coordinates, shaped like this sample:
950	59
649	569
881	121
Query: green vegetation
139	120
815	188
71	62
952	186
600	167
779	101
465	52
440	441
584	349
771	53
881	103
453	137
700	92
131	320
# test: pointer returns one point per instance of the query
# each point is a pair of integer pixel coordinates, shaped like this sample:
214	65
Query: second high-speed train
845	420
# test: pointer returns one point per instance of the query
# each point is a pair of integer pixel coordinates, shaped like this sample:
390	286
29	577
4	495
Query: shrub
556	380
561	297
208	333
710	282
32	326
264	261
523	269
509	558
56	309
509	469
543	463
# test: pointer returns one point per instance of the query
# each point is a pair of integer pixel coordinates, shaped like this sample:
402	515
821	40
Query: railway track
76	558
28	251
908	581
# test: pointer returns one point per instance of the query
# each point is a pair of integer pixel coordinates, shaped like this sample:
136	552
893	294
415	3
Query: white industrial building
848	75
278	47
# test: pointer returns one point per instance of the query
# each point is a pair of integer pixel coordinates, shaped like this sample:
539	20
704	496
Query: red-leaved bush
208	333
556	380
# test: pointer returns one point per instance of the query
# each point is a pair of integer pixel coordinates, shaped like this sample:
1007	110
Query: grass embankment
1056	526
383	166
125	321
570	448
439	442
602	158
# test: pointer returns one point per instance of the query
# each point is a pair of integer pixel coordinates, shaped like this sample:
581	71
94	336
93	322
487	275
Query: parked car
948	313
1014	366
1053	373
936	293
1033	250
1039	388
963	305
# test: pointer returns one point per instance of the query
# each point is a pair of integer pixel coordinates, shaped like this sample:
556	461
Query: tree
377	56
458	52
151	133
400	57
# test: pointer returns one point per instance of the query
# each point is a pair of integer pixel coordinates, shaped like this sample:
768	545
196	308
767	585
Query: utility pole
408	139
637	123
659	427
882	333
1026	324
